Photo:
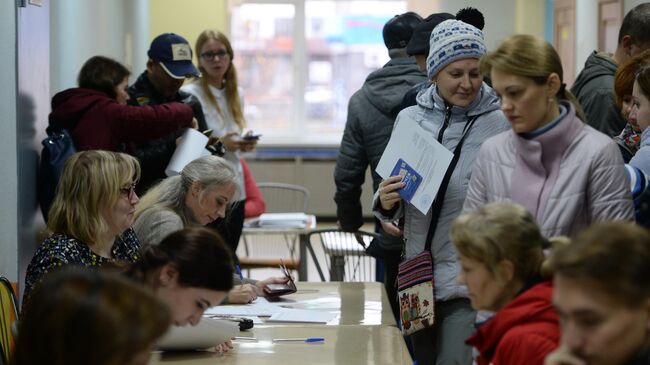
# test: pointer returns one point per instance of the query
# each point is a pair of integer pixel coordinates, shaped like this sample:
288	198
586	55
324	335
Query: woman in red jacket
500	248
97	116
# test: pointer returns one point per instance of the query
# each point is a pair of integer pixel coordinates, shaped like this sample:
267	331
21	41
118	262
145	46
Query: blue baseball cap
174	54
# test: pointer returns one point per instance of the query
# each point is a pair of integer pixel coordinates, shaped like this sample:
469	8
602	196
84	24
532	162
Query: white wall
586	31
499	17
81	29
8	148
629	4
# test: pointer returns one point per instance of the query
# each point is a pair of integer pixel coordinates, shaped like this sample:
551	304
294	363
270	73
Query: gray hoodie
430	114
371	114
594	89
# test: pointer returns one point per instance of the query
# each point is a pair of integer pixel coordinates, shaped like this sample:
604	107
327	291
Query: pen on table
245	338
308	340
238	271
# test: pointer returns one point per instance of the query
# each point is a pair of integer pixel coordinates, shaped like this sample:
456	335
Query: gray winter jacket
594	89
371	114
430	114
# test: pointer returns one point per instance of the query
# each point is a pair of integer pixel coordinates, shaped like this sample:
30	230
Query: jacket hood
486	101
531	307
70	105
598	64
385	88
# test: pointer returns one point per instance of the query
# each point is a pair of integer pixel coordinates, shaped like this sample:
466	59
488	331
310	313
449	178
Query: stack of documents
281	220
276	312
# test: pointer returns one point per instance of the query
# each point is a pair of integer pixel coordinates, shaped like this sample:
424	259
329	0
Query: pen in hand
238	272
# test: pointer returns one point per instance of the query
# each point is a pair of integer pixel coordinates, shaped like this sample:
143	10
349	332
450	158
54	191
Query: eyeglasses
128	191
209	55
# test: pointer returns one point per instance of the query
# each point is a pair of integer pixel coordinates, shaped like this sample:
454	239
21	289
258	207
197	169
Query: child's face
640	112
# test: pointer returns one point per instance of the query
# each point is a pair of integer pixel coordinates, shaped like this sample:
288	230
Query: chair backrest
8	316
343	254
284	198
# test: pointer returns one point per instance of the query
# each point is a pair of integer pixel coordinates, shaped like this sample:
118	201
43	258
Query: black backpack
58	146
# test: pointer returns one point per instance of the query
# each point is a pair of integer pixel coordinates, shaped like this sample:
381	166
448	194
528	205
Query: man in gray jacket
371	114
594	86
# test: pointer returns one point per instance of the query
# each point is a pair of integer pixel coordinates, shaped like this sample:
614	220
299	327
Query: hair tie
562	91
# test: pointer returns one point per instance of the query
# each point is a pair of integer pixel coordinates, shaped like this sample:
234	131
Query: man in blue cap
169	64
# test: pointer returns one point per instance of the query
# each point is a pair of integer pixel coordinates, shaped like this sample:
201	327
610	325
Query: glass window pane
344	44
262	38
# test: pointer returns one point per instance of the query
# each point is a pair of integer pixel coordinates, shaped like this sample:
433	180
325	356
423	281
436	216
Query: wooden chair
8	317
343	254
265	251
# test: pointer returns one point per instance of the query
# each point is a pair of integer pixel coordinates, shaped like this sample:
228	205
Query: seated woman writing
196	197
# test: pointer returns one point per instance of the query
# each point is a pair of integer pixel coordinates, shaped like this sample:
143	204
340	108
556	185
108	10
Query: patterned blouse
59	250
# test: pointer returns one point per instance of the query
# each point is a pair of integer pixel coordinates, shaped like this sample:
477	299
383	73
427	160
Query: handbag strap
436	207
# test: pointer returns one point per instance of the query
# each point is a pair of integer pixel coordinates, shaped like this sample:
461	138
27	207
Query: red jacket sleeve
142	123
524	348
255	204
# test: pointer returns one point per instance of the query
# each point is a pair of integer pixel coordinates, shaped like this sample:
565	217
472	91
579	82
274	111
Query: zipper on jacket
445	123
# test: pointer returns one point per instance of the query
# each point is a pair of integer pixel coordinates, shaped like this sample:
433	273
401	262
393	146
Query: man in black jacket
594	86
371	115
169	64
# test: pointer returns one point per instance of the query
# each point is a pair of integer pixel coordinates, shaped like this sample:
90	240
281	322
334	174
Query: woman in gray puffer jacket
456	97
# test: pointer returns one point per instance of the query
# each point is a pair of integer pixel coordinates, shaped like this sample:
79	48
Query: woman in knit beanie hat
460	111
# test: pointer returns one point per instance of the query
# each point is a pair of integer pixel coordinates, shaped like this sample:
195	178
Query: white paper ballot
302	316
260	307
191	146
208	333
423	153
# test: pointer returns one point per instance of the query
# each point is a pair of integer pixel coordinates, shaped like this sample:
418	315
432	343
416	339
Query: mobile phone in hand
251	137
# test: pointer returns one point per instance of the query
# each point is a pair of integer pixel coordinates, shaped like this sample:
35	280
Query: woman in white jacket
567	174
223	108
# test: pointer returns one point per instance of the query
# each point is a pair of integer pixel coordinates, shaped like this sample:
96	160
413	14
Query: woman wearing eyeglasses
90	218
223	107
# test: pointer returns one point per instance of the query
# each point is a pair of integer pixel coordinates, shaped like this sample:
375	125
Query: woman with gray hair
196	197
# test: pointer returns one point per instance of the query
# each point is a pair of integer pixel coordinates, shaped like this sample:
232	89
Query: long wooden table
365	332
343	345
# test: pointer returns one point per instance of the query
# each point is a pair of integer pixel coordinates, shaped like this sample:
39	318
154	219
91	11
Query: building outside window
300	61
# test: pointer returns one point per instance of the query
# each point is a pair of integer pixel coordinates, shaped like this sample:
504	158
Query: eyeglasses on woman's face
210	55
128	191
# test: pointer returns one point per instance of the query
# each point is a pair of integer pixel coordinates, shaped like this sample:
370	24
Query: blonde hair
210	171
614	256
230	78
90	182
530	57
502	231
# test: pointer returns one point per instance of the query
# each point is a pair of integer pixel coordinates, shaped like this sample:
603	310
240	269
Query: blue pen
238	271
307	340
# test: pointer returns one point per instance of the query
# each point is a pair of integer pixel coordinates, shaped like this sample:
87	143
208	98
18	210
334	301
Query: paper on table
207	333
191	146
284	220
424	154
260	307
302	315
